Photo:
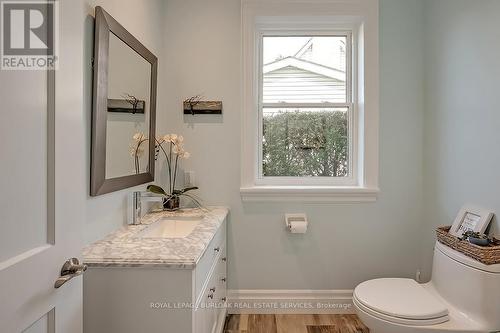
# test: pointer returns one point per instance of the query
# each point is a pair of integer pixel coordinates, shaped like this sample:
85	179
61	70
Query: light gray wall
346	243
462	135
143	19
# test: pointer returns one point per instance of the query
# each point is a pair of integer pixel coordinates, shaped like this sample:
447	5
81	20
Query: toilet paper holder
294	219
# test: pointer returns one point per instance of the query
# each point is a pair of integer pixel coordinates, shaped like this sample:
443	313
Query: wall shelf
202	107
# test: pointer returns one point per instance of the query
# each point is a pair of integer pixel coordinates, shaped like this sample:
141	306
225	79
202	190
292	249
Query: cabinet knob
211	296
223	279
224	259
223	299
217	249
212	289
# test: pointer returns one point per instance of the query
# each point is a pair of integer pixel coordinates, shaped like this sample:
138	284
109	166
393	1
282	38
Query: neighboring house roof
305	65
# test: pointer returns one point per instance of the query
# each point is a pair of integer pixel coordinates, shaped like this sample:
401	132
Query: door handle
69	270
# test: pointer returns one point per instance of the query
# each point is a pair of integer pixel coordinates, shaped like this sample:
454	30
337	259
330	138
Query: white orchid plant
172	147
137	150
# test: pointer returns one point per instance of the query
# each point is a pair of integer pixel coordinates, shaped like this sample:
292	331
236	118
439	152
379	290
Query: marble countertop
124	248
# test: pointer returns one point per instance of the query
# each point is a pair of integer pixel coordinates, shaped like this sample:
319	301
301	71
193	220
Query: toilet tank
468	285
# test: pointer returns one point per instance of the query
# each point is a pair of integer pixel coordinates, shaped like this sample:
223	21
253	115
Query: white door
42	187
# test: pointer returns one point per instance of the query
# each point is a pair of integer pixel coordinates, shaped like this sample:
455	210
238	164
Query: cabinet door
200	320
206	312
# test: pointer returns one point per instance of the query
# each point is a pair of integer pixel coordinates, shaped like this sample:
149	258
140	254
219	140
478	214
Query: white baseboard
290	302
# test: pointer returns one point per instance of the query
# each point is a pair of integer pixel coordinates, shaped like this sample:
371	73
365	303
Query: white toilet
463	296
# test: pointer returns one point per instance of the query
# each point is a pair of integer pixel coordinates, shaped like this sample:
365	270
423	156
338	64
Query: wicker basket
488	255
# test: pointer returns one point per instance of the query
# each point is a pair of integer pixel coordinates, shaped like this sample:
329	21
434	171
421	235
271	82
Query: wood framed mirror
124	108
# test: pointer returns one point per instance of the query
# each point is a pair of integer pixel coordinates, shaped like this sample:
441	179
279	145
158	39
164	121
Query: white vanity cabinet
153	298
210	287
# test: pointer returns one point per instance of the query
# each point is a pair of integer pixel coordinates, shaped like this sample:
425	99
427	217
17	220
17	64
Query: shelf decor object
126	106
471	218
194	105
488	255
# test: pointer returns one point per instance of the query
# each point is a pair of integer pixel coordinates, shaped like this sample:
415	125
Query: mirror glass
127	127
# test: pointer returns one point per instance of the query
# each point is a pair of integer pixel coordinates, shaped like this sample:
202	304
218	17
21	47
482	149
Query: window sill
318	194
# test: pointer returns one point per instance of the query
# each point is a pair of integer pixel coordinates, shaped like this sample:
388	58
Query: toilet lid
401	298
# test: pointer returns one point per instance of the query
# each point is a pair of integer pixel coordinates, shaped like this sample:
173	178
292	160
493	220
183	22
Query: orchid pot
171	203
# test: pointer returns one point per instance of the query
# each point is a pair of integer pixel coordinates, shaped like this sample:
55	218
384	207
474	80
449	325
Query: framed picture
471	218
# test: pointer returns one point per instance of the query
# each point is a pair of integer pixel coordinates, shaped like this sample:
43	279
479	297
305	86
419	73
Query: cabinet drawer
221	295
221	276
207	261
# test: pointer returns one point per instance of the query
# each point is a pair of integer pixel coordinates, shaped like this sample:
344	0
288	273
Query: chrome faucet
137	208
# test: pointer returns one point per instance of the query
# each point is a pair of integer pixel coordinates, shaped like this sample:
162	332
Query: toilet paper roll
298	227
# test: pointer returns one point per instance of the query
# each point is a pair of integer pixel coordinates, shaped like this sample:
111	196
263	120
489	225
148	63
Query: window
310	101
306	109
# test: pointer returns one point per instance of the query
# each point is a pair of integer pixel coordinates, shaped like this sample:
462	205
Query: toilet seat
401	301
400	321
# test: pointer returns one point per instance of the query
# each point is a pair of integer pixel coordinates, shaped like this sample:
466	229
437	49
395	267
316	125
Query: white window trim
264	29
358	16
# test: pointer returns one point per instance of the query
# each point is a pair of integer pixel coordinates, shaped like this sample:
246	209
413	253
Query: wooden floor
294	324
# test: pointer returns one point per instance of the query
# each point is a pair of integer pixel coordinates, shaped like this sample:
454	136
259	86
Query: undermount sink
171	227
